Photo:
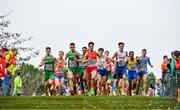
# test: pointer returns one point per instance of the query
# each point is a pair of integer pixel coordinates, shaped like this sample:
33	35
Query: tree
32	79
151	79
30	74
14	40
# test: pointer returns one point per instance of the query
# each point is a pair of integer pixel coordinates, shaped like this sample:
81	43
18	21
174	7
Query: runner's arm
86	59
42	63
114	56
126	54
127	61
65	64
110	62
97	54
66	59
149	62
114	62
78	58
55	59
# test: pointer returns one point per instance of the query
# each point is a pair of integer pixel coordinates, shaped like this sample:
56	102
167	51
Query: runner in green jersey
48	61
73	59
81	70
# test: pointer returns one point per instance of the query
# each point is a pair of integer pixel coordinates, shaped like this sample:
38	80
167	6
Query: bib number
82	64
133	68
108	68
72	63
121	63
59	70
48	67
143	67
92	62
100	66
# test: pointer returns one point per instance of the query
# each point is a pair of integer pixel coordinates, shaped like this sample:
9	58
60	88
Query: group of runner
95	73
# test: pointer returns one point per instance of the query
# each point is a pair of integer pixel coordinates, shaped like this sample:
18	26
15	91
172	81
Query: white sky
150	24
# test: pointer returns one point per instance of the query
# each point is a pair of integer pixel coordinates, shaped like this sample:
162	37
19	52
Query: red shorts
89	70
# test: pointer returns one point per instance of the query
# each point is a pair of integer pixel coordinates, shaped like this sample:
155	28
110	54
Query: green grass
87	103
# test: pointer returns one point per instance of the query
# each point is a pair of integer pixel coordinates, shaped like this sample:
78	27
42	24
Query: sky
150	24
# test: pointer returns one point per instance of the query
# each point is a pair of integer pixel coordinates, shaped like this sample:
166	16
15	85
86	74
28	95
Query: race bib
121	63
108	68
72	63
92	62
100	66
59	70
144	67
48	67
133	68
81	64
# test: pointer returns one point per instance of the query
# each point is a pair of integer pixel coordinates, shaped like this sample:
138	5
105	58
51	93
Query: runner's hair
101	49
48	48
90	43
121	43
144	50
72	44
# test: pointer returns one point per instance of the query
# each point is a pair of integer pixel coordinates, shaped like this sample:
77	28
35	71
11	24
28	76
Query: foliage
15	40
32	79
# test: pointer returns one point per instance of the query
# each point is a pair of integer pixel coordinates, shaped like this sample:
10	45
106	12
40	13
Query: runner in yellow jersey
132	67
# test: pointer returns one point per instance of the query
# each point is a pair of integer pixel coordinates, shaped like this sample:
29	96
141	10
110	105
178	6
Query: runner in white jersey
120	72
102	72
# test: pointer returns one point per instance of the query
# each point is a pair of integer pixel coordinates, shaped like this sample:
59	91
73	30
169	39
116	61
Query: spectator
17	84
165	67
172	62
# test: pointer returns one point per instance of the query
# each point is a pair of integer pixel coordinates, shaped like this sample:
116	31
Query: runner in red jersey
91	67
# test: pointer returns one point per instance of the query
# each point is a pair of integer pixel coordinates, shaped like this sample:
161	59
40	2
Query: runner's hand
151	66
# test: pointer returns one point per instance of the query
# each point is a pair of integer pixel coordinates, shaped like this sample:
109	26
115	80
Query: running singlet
92	62
81	64
101	63
60	67
121	57
132	64
49	63
144	62
108	61
72	56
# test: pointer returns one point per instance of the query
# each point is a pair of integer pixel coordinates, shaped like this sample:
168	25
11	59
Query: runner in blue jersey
143	70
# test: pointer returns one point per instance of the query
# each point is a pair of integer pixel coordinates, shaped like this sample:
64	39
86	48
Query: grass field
87	103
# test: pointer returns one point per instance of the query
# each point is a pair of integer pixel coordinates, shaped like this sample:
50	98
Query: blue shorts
102	72
120	71
59	76
132	75
141	73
